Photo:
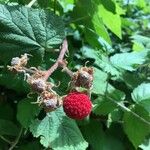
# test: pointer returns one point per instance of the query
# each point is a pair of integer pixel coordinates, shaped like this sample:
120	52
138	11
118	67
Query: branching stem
68	71
60	62
63	50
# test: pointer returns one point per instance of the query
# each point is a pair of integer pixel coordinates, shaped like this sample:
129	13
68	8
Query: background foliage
113	36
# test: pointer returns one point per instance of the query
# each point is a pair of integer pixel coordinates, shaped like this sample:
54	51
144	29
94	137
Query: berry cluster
77	104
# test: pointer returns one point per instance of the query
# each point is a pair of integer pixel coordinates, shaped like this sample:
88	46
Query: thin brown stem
28	70
63	50
68	71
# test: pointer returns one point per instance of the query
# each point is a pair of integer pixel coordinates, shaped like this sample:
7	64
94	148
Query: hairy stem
68	71
6	140
63	50
124	108
17	139
31	3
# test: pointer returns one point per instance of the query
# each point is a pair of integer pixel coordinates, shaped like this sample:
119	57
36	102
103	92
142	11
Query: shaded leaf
26	112
103	105
14	82
136	129
8	128
93	131
4	109
31	146
98	139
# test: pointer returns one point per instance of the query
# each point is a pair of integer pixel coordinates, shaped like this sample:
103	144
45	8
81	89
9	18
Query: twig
31	3
63	50
29	70
17	140
68	71
124	108
6	140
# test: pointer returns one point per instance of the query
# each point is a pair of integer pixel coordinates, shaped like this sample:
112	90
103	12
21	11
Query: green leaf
97	41
142	40
86	13
26	112
59	132
67	4
8	128
142	92
93	131
131	79
99	83
140	3
103	105
44	3
108	67
4	109
100	60
128	61
109	18
89	52
27	30
115	115
141	95
112	143
98	140
136	129
14	82
137	46
145	145
31	146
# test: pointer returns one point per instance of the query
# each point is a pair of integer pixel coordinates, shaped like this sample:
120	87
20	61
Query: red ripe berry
77	105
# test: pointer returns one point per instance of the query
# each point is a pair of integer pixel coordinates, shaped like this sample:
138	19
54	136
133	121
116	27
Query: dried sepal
49	101
18	63
83	78
39	84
